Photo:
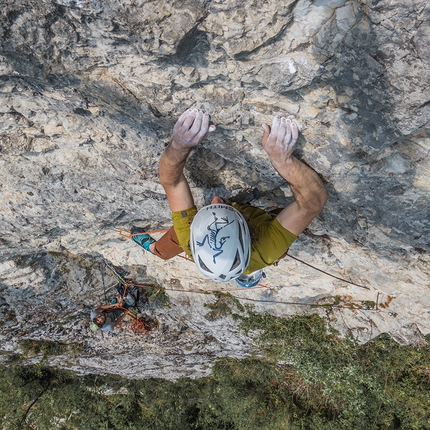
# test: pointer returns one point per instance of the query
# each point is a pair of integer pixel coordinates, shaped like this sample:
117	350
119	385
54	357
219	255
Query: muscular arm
309	191
172	177
190	130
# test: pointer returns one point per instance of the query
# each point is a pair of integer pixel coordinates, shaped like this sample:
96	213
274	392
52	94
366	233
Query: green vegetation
49	348
223	306
369	304
309	378
155	296
380	385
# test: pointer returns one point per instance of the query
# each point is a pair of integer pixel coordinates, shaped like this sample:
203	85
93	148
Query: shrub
308	378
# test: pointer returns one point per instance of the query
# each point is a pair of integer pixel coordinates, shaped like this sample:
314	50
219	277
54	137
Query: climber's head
99	320
220	242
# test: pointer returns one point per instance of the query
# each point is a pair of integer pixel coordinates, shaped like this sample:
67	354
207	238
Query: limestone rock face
90	91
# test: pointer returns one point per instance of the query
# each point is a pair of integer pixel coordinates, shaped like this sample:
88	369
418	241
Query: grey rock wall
89	94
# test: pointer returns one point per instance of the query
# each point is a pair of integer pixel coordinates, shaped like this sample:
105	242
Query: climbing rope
104	285
350	306
119	278
315	305
142	326
130	235
329	274
138	325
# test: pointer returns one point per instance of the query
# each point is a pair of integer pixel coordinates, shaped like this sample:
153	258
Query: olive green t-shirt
269	240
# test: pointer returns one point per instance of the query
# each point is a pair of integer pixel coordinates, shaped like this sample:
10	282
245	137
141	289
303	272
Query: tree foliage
309	378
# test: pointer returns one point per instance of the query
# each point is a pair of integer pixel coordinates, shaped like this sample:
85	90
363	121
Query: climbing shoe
249	281
144	240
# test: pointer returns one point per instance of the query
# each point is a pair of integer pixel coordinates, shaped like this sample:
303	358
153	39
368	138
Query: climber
111	316
229	240
107	318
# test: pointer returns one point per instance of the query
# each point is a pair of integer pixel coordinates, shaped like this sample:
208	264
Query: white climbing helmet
220	242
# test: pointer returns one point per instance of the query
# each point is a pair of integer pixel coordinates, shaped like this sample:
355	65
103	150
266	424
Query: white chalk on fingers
275	124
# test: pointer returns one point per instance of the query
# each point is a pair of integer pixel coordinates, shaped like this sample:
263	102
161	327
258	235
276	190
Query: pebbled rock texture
89	93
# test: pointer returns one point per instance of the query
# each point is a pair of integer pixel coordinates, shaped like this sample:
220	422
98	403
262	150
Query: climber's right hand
191	128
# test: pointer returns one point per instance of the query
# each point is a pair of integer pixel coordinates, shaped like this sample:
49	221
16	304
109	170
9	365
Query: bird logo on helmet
220	242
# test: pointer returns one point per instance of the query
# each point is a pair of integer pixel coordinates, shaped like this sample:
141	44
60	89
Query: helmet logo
216	243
